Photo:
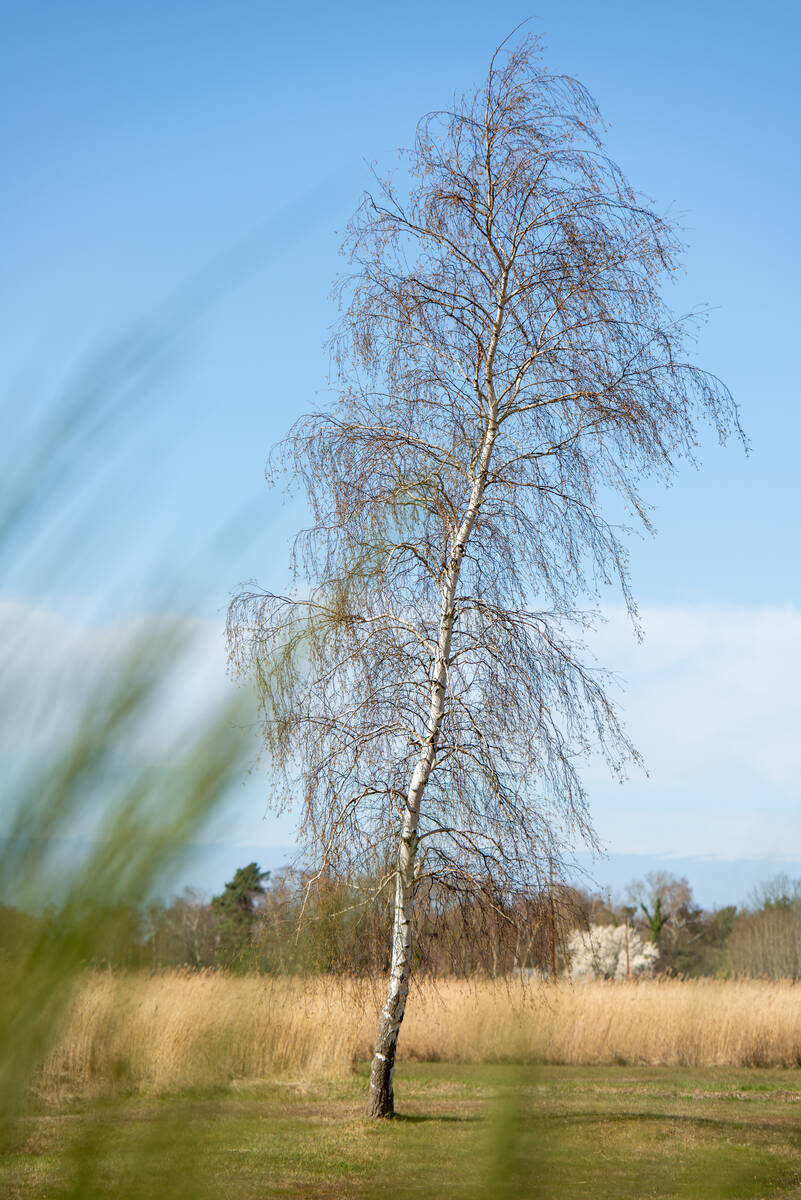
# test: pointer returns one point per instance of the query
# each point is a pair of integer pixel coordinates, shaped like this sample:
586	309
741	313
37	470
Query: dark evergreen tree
235	911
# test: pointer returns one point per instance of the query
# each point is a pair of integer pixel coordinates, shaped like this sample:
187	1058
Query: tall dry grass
179	1030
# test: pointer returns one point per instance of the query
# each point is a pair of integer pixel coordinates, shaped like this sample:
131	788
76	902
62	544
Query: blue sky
193	167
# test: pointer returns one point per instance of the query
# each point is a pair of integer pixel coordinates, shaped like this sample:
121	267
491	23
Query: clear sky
187	170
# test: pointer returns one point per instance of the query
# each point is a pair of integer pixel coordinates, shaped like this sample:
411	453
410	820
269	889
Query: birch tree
507	374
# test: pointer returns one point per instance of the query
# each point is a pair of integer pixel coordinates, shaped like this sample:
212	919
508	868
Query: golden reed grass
178	1030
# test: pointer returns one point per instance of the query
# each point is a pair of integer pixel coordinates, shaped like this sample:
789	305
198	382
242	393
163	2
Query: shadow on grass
437	1118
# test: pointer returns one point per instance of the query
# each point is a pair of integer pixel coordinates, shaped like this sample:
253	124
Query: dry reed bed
178	1030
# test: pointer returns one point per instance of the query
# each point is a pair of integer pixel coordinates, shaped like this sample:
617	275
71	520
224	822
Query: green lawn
465	1131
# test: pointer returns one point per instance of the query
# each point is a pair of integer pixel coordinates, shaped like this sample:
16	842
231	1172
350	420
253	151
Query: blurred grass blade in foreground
139	811
114	756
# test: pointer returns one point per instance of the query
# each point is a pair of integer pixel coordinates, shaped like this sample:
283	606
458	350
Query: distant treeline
291	923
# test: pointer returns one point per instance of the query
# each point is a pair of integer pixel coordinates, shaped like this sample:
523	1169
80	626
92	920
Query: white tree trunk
381	1102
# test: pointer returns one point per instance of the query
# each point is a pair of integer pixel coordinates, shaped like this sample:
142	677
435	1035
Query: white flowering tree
609	952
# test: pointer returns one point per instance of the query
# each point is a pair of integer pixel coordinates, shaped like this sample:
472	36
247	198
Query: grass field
465	1131
218	1087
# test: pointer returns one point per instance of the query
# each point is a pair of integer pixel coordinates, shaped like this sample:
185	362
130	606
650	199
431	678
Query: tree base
381	1102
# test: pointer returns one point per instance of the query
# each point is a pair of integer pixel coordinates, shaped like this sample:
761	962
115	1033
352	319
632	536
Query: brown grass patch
197	1030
